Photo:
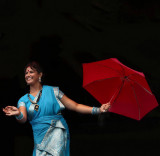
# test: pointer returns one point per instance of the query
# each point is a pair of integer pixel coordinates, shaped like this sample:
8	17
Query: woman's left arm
81	108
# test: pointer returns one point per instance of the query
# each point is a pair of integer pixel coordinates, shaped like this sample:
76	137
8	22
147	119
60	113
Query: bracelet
95	111
19	117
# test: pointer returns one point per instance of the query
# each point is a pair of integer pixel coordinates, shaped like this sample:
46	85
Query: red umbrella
127	90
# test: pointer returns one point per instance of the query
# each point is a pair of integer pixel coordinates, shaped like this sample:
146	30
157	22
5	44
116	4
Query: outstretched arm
81	108
20	113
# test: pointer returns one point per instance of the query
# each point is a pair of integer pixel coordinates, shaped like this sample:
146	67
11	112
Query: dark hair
35	66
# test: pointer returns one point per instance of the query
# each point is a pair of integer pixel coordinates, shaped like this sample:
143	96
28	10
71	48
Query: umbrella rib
122	69
120	89
102	80
143	87
139	84
136	100
133	74
110	68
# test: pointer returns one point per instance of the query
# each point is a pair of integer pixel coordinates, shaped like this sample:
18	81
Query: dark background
62	35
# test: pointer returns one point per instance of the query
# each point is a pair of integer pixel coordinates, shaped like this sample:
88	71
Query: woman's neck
35	88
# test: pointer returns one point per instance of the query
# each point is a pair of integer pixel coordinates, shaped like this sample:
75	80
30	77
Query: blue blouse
49	103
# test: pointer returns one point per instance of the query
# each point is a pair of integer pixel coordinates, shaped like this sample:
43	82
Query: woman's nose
28	74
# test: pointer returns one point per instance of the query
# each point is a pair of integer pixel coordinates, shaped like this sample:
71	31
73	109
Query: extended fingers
9	107
5	110
8	114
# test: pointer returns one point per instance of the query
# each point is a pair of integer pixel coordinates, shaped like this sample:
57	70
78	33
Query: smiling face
32	76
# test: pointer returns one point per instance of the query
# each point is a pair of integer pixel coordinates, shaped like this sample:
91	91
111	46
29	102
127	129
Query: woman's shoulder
53	89
49	87
24	99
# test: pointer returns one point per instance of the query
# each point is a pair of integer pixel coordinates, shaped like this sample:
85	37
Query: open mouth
29	78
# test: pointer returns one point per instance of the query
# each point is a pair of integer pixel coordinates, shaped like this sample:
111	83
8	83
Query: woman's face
32	76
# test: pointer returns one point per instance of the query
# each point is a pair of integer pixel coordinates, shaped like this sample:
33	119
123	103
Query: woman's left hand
105	107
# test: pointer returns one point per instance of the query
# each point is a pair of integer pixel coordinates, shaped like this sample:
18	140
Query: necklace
36	106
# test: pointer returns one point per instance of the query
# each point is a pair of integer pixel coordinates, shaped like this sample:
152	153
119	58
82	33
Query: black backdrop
62	35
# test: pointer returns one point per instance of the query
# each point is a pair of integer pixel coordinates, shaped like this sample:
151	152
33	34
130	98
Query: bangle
19	117
95	111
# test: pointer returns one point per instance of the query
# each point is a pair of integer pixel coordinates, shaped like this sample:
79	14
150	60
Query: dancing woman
42	107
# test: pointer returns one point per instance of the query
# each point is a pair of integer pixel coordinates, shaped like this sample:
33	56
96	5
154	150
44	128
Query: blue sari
50	130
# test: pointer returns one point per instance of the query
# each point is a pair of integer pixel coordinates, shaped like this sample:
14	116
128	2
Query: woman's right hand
11	110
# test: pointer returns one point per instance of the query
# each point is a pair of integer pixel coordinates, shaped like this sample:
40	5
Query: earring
40	79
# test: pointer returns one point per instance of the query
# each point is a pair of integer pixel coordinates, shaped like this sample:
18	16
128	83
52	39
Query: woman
42	107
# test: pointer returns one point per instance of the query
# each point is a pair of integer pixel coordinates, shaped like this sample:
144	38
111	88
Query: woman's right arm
20	113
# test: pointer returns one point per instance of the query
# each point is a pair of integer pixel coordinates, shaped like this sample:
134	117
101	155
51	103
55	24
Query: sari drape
50	130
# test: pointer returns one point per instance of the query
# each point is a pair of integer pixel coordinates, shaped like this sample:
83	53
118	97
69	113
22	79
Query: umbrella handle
117	92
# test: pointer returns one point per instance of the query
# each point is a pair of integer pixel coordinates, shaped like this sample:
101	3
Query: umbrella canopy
127	90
